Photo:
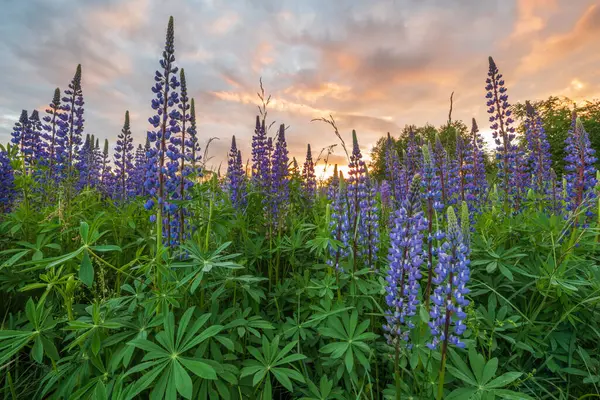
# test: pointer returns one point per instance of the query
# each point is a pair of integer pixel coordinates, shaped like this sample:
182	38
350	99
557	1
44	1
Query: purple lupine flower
452	275
181	149
35	148
54	125
440	159
357	196
339	223
580	172
164	122
501	125
309	181
393	172
7	183
295	172
405	257
385	191
555	194
139	171
236	177
261	168
432	196
280	189
479	186
462	170
124	162
369	225
195	155
20	137
105	170
412	158
539	150
88	164
71	137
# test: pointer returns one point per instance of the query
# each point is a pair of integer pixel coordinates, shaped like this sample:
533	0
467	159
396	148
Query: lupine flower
440	159
124	162
19	135
502	131
236	177
295	172
385	191
480	186
309	181
7	189
164	122
54	124
369	225
448	299
261	169
462	170
180	153
357	194
432	195
35	149
280	189
193	141
71	136
139	171
405	257
539	150
580	172
339	223
393	172
521	177
555	193
88	164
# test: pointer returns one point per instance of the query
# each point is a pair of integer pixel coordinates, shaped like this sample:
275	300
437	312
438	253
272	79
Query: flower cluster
405	257
440	160
279	179
261	163
393	172
309	182
448	299
339	223
580	172
358	194
502	131
539	150
236	177
479	185
124	187
7	190
70	137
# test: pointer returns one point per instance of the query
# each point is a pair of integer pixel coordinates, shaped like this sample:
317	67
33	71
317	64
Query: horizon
314	61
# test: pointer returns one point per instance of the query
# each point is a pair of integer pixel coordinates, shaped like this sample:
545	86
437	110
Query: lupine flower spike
309	183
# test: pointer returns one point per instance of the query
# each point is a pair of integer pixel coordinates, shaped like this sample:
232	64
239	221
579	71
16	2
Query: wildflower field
443	269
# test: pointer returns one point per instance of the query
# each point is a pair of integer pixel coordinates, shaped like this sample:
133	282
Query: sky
375	66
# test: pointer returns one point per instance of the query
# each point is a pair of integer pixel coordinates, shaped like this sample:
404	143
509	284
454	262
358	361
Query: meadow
443	269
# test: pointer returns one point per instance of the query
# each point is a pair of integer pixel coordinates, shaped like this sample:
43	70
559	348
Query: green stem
440	394
397	368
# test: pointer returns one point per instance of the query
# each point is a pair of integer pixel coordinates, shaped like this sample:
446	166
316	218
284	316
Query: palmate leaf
168	366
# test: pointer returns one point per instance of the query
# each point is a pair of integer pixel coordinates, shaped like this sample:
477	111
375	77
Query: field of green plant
443	269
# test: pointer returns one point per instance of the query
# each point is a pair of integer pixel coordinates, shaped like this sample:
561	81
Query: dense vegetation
147	276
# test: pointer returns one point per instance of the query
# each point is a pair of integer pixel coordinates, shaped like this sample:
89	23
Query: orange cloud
529	16
584	32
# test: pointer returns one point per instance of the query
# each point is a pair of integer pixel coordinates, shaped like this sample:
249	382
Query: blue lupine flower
236	177
357	196
193	144
405	257
479	185
440	159
502	129
54	124
124	162
339	223
539	150
448	301
7	187
580	172
280	189
309	181
159	183
261	168
71	135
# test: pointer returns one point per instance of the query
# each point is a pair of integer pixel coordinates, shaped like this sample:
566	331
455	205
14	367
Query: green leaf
199	368
106	248
100	391
86	270
461	394
460	375
489	371
504	380
183	382
509	394
477	363
37	352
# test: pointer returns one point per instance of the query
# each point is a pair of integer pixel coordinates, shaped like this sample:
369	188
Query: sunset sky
375	65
